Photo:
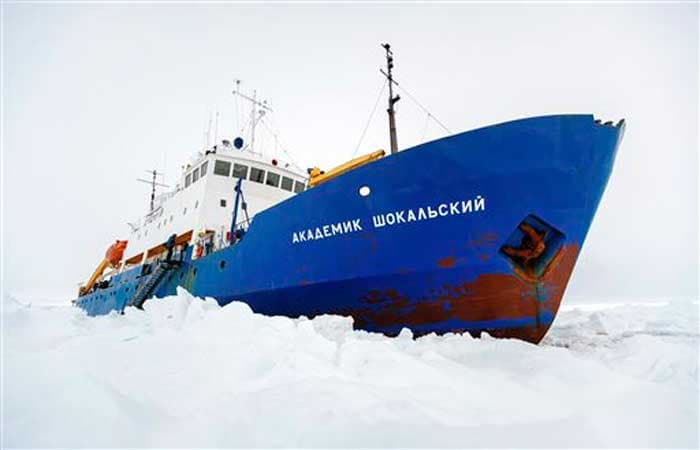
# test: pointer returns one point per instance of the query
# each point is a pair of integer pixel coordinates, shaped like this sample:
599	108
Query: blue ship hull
479	231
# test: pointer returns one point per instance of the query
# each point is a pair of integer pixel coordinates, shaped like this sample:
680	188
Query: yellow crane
317	176
112	259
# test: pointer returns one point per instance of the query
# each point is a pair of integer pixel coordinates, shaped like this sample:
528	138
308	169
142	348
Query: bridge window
195	175
203	169
240	171
257	175
298	187
273	179
188	180
222	168
222	203
287	184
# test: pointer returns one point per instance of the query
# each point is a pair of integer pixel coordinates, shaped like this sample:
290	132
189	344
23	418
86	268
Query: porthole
222	264
365	191
194	271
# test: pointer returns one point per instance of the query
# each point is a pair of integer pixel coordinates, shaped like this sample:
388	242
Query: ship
477	232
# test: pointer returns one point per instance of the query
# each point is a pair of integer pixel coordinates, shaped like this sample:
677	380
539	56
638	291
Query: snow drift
187	373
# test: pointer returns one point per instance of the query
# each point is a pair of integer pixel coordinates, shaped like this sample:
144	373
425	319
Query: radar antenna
153	184
257	111
392	99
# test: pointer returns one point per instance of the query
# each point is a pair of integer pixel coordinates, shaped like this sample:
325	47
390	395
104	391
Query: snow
187	373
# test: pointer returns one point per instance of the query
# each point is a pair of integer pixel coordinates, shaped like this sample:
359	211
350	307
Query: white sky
95	94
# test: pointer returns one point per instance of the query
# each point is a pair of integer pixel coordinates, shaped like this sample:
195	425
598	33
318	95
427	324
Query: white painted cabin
204	197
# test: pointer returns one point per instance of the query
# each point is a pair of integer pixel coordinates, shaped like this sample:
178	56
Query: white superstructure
204	196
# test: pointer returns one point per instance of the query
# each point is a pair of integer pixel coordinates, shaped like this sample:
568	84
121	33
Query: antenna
204	133
153	184
209	133
255	113
392	99
238	113
216	128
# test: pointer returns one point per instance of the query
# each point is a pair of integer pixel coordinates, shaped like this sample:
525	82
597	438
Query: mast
255	113
153	184
392	99
253	121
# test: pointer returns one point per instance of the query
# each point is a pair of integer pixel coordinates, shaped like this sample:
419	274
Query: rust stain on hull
447	263
484	240
487	298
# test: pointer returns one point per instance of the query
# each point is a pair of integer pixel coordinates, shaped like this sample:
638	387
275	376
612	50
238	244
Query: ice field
187	373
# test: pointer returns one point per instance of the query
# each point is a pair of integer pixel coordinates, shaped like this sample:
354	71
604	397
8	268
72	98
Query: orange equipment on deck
113	257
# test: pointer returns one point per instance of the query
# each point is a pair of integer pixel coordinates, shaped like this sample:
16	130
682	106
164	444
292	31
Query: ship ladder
152	284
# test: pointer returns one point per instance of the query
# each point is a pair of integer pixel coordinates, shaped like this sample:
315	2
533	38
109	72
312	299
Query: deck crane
112	258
